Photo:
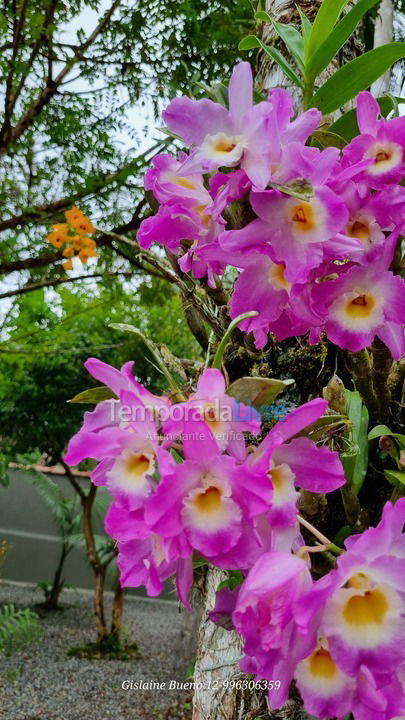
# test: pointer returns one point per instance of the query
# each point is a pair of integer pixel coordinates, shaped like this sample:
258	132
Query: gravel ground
42	683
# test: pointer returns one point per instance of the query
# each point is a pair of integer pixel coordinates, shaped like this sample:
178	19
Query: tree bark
217	661
98	603
383	33
53	594
117	613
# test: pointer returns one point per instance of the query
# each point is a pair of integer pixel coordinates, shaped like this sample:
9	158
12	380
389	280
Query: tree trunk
186	645
98	604
53	594
117	613
217	661
383	33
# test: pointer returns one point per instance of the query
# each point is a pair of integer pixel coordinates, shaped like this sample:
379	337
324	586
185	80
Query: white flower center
222	148
387	156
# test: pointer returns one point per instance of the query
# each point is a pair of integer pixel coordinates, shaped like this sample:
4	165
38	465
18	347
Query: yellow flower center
382	155
277	276
302	216
206	217
209	502
224	145
386	157
277	475
137	464
367	609
321	664
361	306
210	416
183	182
358	230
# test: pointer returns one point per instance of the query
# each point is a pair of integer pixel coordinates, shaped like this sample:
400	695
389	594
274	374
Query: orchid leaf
326	18
395	476
306	29
251	41
356	467
347	126
325	138
321	58
381	430
356	75
293	40
94	395
257	391
217	362
159	362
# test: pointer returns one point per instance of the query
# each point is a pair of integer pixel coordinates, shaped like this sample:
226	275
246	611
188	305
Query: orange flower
62	228
88	243
85	254
56	239
78	220
78	242
59	235
63	234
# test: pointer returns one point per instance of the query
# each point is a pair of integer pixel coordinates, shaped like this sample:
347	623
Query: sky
137	116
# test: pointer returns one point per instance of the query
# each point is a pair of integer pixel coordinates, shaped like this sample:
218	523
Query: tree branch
77	487
9	108
60	281
47	92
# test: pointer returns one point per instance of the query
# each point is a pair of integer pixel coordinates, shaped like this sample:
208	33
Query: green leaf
358	416
306	27
349	459
380	430
395	476
301	189
326	17
356	75
217	362
325	426
18	629
263	16
235	578
337	38
347	126
293	41
342	534
251	41
94	395
325	138
257	391
176	456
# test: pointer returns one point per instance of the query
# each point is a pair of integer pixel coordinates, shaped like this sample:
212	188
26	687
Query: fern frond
18	629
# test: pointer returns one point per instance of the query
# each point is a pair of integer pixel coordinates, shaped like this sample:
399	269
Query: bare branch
45	95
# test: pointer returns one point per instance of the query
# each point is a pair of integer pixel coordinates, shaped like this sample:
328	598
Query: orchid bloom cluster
224	504
187	489
74	237
323	225
340	638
